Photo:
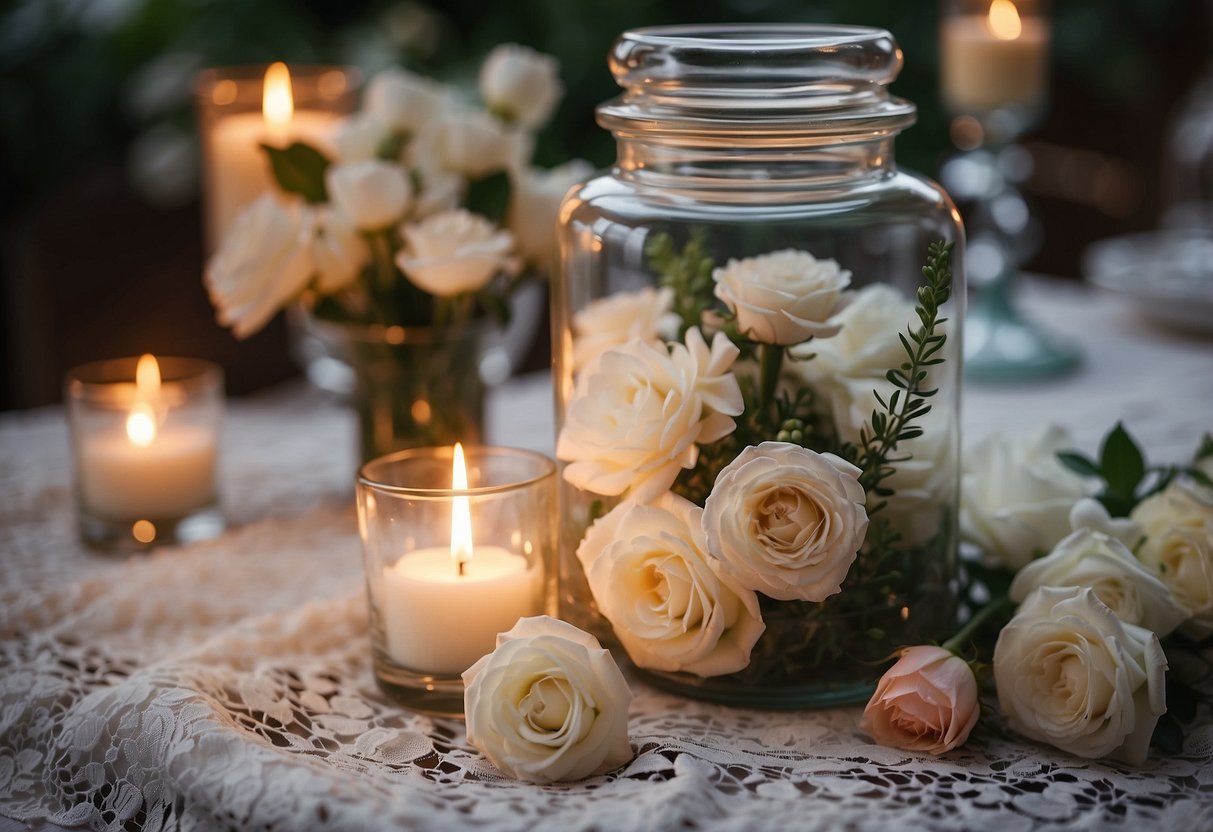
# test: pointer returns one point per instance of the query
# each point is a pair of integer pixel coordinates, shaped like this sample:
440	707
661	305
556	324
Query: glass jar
725	324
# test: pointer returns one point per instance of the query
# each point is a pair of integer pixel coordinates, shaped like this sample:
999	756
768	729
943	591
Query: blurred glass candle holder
458	545
242	107
144	435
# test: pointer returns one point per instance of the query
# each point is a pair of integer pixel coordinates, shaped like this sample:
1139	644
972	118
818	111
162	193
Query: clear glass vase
411	387
740	142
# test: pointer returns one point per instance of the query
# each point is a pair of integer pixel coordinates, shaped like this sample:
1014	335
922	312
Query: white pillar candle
993	60
170	477
146	466
238	169
439	621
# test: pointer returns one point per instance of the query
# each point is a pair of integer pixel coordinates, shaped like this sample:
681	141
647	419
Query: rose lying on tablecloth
1080	664
548	704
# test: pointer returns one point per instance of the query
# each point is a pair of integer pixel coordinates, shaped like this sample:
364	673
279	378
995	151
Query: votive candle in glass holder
458	545
241	108
144	436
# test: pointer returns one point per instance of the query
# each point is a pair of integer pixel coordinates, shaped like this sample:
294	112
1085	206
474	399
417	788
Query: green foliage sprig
688	272
1126	475
893	421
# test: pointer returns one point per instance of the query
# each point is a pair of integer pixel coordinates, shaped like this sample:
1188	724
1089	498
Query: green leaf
1121	462
489	195
299	169
392	145
1206	448
1079	464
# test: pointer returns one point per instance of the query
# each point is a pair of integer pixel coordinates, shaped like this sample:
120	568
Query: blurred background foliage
99	91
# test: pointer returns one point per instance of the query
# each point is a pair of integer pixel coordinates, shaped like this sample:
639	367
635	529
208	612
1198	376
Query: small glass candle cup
145	439
235	117
447	569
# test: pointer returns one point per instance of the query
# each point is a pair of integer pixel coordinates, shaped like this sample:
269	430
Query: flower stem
995	605
772	363
385	268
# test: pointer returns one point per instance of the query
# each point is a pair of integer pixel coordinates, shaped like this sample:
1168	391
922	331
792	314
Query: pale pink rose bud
927	702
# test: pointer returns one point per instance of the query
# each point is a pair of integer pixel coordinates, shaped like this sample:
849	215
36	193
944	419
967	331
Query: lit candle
238	170
151	469
995	59
443	607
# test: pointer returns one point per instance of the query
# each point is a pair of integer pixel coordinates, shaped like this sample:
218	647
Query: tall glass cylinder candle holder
145	436
734	295
458	545
242	107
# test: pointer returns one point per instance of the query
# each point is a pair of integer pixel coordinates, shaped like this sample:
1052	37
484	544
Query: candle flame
1004	20
147	376
461	512
277	104
141	425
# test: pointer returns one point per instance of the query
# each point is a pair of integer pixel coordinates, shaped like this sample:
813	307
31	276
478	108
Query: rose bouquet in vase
406	241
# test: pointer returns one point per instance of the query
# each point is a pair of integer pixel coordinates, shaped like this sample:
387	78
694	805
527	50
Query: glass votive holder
144	438
242	107
452	561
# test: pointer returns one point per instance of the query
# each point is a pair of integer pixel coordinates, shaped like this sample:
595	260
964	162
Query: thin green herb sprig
893	421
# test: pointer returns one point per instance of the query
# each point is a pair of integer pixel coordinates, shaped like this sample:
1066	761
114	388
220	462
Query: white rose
1178	523
1016	497
548	704
616	319
849	366
471	143
404	101
455	252
373	194
440	191
1102	563
263	263
639	412
338	251
669	602
784	297
535	199
521	84
1070	673
359	136
1089	513
787	521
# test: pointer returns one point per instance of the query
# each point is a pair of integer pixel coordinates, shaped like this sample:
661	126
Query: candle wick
462	568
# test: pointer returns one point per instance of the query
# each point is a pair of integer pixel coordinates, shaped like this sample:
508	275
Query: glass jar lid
757	79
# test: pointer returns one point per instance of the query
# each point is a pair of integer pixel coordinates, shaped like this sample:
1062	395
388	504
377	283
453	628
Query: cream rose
359	137
1016	497
1096	560
404	101
927	701
784	297
521	84
264	262
639	412
471	143
1089	513
534	204
338	251
786	521
1178	523
548	704
670	604
455	252
616	319
1072	674
374	194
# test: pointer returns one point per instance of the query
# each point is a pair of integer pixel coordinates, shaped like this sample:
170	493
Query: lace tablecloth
228	684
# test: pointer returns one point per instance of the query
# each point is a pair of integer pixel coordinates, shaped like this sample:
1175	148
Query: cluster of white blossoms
394	197
1080	665
678	582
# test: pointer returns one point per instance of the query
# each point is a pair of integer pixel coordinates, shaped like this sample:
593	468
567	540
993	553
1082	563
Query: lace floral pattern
228	685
